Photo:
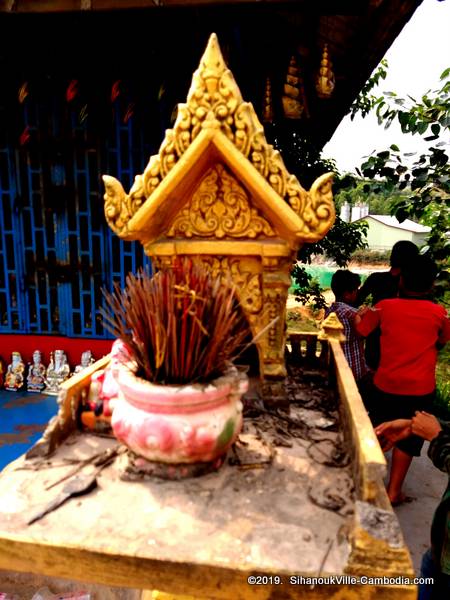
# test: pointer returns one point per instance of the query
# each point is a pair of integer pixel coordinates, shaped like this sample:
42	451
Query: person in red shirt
412	329
382	285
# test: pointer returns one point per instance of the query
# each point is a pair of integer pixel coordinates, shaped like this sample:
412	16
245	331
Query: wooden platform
206	536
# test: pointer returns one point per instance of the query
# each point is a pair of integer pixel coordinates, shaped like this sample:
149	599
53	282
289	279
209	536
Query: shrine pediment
219	208
216	127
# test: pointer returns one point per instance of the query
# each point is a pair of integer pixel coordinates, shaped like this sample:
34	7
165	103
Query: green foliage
365	102
303	159
429	114
339	244
300	155
371	257
307	289
298	321
427	185
356	190
420	186
442	401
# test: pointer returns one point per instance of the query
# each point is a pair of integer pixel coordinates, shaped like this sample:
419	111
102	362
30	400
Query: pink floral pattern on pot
176	423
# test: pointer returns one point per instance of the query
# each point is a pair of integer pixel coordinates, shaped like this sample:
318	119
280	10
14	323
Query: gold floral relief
214	101
220	208
246	276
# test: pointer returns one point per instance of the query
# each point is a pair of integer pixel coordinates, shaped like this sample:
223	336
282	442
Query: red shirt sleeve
369	321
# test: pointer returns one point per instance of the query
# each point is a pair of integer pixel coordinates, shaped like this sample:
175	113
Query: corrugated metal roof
407	224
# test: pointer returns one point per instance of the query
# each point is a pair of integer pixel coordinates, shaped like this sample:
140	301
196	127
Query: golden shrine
219	191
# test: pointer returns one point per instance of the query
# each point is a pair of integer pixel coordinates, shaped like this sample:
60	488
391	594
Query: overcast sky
416	60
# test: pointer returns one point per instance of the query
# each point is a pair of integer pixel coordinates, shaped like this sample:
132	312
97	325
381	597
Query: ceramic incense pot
177	423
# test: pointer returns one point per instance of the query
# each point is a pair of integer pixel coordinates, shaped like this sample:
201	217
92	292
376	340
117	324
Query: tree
417	189
425	180
304	159
362	191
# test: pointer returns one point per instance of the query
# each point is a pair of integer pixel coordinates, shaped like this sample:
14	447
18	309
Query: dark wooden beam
47	6
384	21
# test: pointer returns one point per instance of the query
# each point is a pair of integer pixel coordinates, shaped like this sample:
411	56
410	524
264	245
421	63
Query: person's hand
391	432
362	310
425	425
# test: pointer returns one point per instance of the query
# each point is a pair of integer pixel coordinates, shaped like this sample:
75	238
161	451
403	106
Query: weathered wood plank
369	464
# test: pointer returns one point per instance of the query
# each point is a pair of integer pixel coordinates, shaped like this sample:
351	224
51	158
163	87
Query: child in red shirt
412	328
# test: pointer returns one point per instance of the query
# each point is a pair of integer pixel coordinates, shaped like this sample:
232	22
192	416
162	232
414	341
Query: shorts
387	407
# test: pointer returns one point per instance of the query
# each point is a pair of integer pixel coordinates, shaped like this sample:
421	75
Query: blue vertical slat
12	311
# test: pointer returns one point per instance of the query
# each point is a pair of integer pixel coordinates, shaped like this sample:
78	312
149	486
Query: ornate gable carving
215	102
220	208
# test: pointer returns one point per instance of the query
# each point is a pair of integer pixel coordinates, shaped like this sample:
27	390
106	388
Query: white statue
57	371
15	373
86	360
36	373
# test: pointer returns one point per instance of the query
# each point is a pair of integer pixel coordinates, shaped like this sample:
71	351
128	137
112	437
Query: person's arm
366	289
391	432
438	433
369	319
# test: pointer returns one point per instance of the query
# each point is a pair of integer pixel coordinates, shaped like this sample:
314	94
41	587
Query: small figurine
36	373
86	360
104	391
2	371
14	378
57	371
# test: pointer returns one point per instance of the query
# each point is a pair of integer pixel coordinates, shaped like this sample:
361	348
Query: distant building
345	212
353	213
385	230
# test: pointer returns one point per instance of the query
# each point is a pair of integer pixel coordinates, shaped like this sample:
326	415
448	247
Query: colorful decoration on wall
83	114
58	371
325	81
72	90
267	113
14	378
25	136
36	373
23	92
294	98
129	113
115	90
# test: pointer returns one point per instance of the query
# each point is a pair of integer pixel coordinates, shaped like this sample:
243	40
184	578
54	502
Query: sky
416	60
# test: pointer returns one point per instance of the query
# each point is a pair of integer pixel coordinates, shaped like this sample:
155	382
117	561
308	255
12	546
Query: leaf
401	214
435	128
422	127
394	147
